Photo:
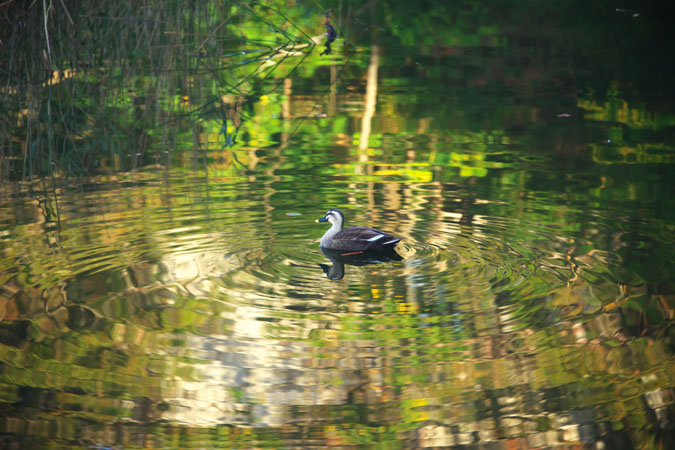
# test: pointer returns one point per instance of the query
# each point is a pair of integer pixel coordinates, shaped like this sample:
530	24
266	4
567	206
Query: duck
353	239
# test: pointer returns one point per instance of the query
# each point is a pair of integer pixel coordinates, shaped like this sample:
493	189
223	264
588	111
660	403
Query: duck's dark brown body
354	238
361	239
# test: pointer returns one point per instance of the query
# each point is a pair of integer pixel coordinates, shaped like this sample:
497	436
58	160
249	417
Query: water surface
173	296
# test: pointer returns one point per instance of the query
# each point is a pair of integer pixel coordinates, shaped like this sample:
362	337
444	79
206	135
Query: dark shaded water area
161	282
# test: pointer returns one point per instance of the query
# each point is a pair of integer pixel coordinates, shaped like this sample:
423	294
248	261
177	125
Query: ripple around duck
252	258
475	256
213	247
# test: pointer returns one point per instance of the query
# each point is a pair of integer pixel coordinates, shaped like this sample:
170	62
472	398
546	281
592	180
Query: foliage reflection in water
181	300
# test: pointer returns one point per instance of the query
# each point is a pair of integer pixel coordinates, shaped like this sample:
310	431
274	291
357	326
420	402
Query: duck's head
334	216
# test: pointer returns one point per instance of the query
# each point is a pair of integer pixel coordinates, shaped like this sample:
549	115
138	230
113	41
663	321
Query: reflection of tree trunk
371	98
286	108
368	113
467	204
332	99
278	157
196	136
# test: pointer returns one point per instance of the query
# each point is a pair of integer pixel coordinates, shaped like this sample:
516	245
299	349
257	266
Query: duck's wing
363	238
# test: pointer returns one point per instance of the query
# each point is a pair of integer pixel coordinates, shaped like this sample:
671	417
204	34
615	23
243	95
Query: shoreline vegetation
80	81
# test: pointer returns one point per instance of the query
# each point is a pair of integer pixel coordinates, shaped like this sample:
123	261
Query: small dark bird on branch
331	34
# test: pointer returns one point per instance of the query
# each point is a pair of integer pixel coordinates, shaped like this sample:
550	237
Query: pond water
169	291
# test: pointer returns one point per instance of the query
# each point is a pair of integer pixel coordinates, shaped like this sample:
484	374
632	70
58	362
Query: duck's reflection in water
338	259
